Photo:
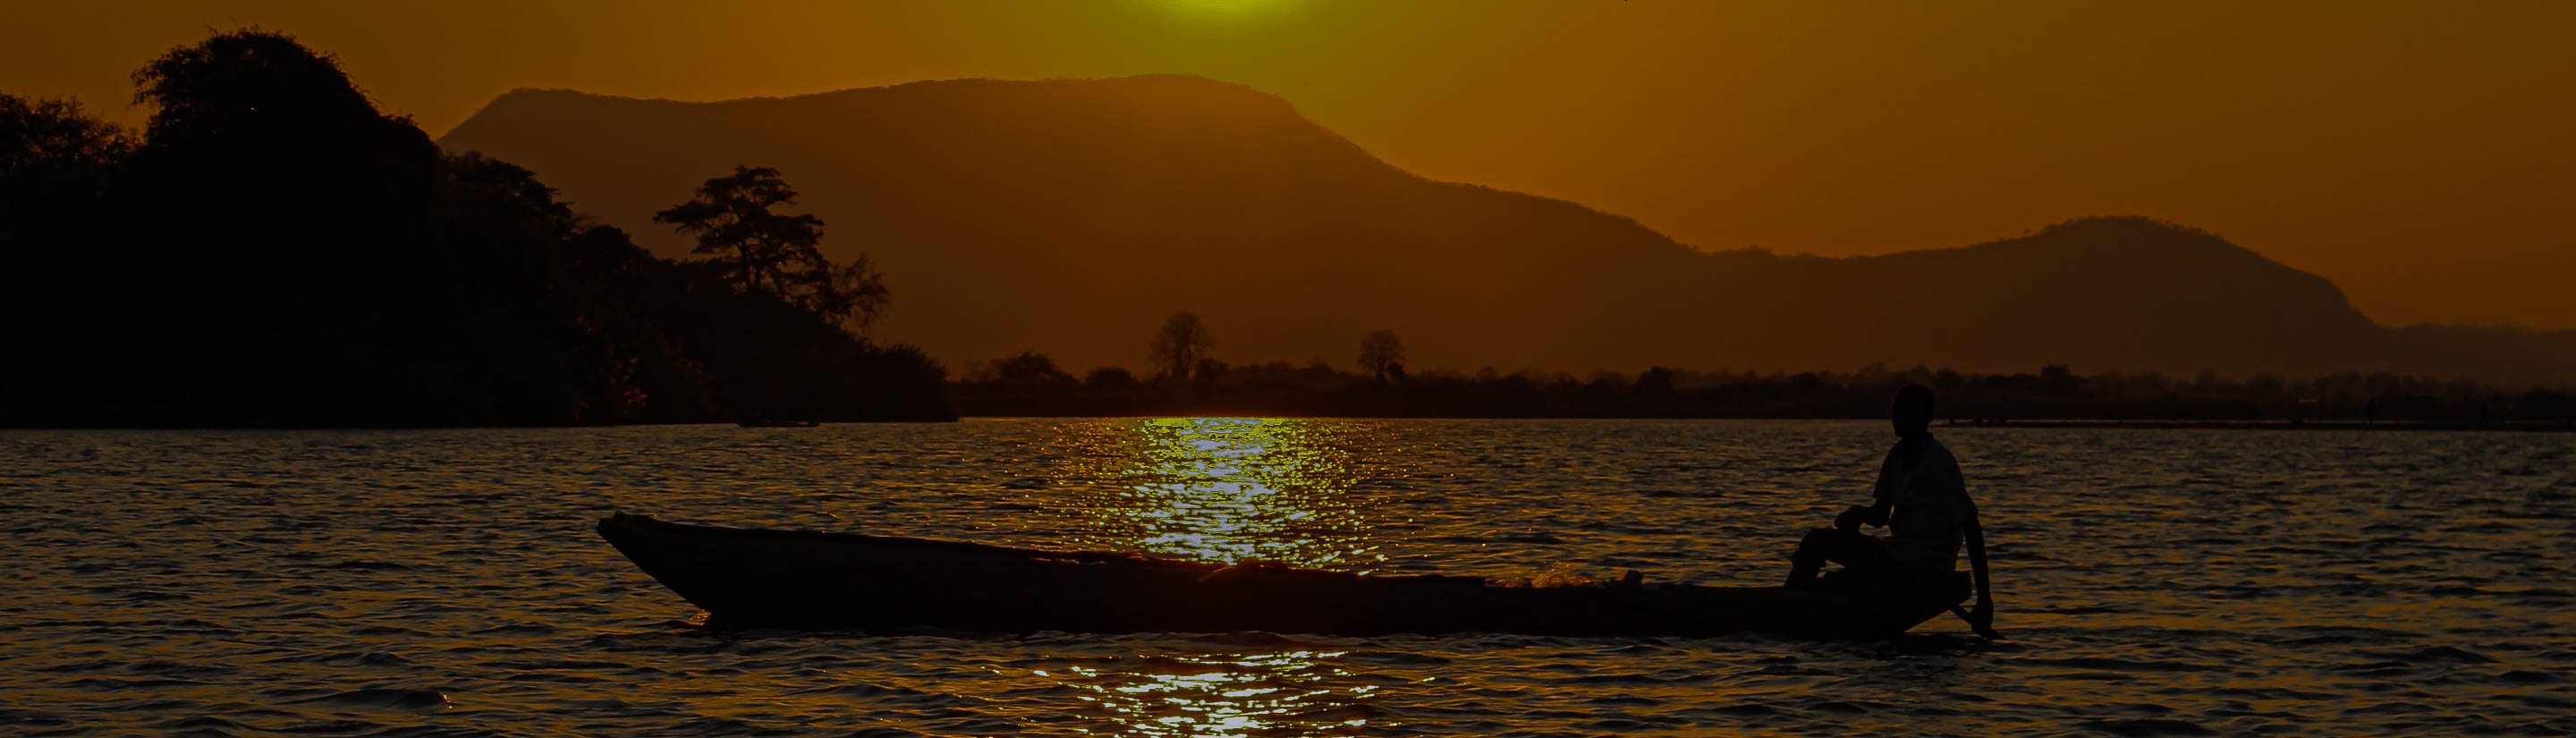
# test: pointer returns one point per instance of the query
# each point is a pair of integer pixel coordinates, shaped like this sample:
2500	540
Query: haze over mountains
1072	216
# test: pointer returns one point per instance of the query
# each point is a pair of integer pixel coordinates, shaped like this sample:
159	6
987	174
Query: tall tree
1378	351
1179	344
248	83
777	254
289	231
764	251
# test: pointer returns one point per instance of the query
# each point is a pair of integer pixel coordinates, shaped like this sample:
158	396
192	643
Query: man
1922	500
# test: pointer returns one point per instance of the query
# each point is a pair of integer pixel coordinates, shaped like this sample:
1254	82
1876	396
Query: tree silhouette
44	134
247	83
1378	351
1208	371
1030	368
1659	380
854	296
772	253
54	164
1178	345
275	251
764	251
1108	377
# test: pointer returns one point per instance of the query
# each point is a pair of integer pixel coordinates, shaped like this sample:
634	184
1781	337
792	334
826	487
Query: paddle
1976	540
1983	630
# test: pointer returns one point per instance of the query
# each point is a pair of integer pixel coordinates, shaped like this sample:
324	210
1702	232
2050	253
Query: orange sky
2418	154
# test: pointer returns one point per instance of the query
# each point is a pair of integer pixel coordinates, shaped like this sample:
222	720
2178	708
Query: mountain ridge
1070	216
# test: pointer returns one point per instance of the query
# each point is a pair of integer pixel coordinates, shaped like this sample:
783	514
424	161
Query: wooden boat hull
803	579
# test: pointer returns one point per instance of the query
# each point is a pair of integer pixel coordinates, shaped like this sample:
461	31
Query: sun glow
1215	12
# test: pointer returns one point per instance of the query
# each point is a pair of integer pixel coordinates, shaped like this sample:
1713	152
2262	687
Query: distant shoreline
2528	426
2518	426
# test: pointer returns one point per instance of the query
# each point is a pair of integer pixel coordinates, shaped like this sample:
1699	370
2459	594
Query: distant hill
1072	216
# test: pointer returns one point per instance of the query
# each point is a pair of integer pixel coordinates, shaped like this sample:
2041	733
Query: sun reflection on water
1225	695
1222	490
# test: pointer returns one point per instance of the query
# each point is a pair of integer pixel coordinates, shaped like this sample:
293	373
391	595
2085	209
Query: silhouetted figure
1922	499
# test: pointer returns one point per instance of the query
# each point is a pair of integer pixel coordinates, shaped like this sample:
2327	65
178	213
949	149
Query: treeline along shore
273	250
2054	396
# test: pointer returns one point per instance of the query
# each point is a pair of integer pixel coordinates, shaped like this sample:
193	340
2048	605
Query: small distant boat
777	423
802	579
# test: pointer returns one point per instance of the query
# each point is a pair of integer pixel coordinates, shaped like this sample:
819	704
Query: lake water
427	583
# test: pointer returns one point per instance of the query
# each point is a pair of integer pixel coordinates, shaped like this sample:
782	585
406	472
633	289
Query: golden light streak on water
1224	490
1227	695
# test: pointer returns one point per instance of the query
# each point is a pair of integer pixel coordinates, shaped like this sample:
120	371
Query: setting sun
1226	11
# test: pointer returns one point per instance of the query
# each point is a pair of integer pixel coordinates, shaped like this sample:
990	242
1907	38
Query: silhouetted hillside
273	250
1072	216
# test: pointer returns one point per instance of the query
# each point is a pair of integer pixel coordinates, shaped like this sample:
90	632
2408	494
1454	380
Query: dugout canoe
747	577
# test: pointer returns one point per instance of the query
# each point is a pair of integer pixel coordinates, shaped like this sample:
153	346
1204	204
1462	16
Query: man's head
1913	411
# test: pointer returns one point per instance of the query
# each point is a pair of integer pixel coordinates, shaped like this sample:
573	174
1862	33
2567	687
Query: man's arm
1856	516
1892	478
1982	619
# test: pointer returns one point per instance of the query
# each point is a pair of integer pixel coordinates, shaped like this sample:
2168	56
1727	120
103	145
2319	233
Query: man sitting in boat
1922	500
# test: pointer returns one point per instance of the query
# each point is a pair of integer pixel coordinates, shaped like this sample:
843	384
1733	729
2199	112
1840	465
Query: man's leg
1849	548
